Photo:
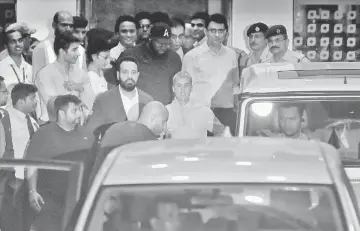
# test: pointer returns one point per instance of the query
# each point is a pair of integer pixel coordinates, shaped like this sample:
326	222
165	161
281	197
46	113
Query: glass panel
333	121
216	207
46	201
327	32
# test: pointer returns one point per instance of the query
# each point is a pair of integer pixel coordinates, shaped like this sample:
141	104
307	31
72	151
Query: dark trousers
227	116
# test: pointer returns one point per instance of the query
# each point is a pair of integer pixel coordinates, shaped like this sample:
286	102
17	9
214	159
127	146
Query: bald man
151	125
43	53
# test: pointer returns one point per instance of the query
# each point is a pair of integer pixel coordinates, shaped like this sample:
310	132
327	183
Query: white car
252	183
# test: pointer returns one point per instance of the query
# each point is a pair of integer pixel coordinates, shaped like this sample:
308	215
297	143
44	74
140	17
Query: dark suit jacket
108	108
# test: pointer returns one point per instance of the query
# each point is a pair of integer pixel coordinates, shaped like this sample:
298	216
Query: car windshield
334	121
216	207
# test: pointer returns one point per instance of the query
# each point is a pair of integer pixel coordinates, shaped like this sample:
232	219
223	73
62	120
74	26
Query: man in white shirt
43	53
63	76
23	126
13	67
188	118
125	28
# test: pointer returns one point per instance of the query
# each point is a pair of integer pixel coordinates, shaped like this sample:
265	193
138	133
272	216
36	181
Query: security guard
278	43
258	44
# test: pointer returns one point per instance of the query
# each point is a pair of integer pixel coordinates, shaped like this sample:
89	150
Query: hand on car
36	201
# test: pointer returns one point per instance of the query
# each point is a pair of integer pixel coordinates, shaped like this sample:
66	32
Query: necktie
30	126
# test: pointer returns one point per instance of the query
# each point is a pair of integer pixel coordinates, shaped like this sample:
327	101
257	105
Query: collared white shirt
81	58
14	74
98	82
265	55
180	52
290	57
116	51
199	43
20	135
215	76
131	105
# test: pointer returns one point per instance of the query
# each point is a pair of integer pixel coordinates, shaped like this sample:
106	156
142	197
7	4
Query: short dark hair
120	60
5	35
22	91
142	15
62	102
160	17
80	22
217	18
201	15
175	22
63	41
1	79
56	17
124	18
299	106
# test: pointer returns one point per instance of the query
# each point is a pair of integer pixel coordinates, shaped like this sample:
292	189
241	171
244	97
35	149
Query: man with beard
157	63
121	103
43	53
278	43
65	140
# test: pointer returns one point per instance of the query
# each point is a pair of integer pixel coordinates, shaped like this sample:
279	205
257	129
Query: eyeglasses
105	57
131	31
180	37
214	31
197	24
145	26
277	41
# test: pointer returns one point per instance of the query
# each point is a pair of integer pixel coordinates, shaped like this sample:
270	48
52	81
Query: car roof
220	160
302	77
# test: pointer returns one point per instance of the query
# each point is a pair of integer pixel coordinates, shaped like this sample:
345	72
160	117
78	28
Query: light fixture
262	109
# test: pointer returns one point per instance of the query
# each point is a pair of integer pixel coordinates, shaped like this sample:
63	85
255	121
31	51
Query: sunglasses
197	24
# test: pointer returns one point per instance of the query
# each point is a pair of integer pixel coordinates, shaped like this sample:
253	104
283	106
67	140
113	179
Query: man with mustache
278	43
124	102
258	45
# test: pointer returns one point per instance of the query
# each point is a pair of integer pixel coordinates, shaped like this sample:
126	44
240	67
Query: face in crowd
257	41
177	37
128	75
182	88
80	33
101	59
168	218
72	53
278	44
71	114
64	23
161	45
290	119
216	33
198	28
15	43
127	34
145	27
4	93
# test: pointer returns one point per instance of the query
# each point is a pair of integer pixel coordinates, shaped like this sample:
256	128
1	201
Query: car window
215	207
336	122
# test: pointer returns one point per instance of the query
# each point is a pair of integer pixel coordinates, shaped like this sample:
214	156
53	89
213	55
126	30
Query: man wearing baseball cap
157	63
26	32
278	43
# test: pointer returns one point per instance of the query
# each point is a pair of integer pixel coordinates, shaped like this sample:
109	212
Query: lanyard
17	76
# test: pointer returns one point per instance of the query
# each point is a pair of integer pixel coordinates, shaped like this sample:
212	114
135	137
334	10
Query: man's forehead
215	25
14	35
65	18
127	24
256	33
144	21
276	37
197	20
182	80
177	30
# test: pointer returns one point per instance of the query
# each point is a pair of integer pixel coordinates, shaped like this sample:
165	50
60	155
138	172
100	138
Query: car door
71	173
352	169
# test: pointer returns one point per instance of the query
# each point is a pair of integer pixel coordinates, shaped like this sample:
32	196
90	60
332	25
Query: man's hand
74	86
226	132
36	201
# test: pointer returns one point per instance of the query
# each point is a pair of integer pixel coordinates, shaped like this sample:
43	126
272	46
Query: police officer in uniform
278	43
258	44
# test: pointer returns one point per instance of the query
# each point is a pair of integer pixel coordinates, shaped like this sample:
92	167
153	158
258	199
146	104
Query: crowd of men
153	77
